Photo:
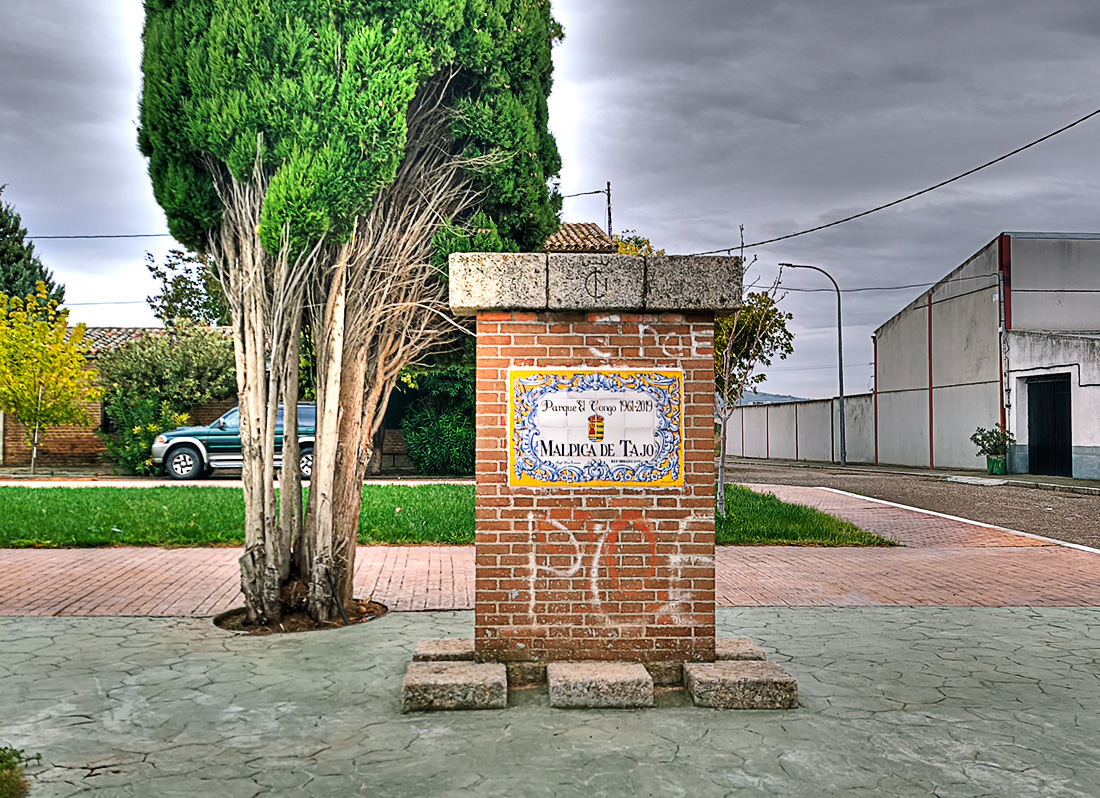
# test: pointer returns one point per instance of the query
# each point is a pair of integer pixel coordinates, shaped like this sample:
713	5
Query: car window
307	415
232	419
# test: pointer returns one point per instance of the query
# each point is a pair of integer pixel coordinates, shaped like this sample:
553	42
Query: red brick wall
612	573
75	445
57	446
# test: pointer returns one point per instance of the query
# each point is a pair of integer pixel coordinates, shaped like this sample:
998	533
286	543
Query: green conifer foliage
20	268
322	87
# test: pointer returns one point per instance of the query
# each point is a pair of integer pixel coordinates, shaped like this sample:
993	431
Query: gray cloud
705	114
784	115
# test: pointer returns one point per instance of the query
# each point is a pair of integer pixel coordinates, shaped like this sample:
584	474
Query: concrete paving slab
740	684
441	686
599	685
896	701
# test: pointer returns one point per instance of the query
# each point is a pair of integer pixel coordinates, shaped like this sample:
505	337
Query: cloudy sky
778	115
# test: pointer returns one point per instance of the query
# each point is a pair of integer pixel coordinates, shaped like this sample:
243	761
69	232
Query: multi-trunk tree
315	149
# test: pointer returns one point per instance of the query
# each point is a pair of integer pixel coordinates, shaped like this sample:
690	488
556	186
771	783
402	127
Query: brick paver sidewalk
943	562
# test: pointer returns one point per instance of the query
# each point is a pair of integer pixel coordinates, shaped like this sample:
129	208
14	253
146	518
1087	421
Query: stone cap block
740	684
488	280
537	281
591	684
444	649
690	282
595	281
434	686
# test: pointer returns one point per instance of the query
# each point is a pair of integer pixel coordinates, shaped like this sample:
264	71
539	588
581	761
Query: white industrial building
1011	336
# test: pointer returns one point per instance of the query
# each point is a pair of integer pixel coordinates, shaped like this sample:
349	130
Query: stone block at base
740	684
737	648
608	685
525	674
432	686
666	674
444	649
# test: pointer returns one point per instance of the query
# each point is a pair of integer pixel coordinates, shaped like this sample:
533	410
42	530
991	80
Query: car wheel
305	463
185	462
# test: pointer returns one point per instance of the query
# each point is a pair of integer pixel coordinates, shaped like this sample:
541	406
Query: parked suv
191	452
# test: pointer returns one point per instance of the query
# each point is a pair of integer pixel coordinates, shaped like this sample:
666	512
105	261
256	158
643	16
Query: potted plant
993	443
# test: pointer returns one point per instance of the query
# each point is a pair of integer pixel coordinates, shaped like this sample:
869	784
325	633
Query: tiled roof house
576	237
75	445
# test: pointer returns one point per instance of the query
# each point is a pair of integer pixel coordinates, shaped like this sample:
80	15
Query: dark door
1049	427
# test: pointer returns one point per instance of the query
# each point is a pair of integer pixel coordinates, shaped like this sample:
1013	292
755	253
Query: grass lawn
183	516
400	514
756	519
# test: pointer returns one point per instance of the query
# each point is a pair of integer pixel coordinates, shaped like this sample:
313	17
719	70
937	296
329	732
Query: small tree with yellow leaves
43	379
630	243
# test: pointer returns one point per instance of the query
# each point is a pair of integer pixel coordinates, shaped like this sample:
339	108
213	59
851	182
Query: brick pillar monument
595	455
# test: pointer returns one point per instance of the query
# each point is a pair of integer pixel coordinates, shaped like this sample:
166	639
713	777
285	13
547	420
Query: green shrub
151	383
439	427
439	445
12	782
136	422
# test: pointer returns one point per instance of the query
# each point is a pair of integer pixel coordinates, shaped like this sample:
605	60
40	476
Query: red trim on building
1004	265
875	342
931	417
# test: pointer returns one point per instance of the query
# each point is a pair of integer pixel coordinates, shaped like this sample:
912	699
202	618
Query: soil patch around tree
295	619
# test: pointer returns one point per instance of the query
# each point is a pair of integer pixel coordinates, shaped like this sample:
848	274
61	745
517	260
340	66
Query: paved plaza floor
942	562
964	663
893	702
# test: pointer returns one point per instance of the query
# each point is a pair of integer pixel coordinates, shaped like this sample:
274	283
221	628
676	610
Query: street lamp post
839	351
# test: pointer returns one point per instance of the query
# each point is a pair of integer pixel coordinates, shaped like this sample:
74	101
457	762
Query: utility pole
609	209
839	352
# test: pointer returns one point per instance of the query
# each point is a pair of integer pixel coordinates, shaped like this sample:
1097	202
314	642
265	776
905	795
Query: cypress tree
20	268
341	136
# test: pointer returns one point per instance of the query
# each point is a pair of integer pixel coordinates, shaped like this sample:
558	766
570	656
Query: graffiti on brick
617	563
673	344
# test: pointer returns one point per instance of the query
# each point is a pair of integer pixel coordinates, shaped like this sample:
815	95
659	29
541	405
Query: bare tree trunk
320	537
385	306
720	494
265	299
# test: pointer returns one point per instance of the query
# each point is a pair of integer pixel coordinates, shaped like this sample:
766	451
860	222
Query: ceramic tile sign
579	428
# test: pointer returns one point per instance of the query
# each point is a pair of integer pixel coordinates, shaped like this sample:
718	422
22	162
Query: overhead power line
826	226
125	235
914	195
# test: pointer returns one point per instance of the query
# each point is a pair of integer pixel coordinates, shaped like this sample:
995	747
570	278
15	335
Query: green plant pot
996	465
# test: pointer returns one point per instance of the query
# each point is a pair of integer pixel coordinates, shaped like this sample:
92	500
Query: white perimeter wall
804	430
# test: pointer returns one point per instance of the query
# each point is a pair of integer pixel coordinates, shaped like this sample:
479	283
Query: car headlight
161	439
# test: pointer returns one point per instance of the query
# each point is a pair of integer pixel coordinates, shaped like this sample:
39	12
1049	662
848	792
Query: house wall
1034	354
939	369
1055	284
75	445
